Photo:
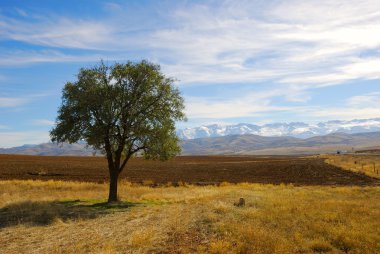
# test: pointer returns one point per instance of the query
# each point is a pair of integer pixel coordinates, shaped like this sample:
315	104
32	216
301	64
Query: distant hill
254	144
295	129
233	144
51	149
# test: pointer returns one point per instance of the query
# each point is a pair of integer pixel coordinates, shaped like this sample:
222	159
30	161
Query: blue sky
236	61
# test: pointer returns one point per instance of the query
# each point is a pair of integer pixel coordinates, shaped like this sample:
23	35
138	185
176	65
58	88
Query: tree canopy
122	109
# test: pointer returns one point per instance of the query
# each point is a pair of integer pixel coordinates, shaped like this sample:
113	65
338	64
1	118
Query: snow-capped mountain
294	129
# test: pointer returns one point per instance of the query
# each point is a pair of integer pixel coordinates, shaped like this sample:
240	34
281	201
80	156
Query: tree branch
130	153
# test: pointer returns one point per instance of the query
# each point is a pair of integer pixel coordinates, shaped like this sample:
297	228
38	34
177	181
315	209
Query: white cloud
21	57
363	106
21	12
113	7
345	113
58	32
303	44
222	45
43	122
12	139
9	102
369	68
337	12
295	45
262	103
4	127
365	100
13	102
251	104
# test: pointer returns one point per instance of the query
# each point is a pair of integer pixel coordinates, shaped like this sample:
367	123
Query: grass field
367	164
70	217
297	205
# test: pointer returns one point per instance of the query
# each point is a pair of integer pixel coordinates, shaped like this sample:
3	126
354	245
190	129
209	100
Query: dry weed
67	217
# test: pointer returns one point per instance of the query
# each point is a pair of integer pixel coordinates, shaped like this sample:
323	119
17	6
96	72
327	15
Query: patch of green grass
101	204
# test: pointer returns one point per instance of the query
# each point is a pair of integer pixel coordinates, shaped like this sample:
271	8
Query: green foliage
121	110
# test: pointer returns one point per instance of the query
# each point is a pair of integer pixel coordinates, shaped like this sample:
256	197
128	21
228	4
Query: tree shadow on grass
46	212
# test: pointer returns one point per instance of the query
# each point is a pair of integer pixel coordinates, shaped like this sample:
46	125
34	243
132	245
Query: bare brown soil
200	170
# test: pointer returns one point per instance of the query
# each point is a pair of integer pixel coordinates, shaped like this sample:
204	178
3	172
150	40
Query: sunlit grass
365	164
189	219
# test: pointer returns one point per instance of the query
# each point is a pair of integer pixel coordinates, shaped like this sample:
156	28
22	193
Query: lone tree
122	109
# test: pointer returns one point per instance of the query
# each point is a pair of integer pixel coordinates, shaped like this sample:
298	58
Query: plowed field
200	170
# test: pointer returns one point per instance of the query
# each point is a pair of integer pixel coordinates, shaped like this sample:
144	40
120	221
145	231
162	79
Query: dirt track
192	169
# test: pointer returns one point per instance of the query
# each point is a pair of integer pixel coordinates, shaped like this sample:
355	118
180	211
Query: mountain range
294	129
249	144
246	144
51	149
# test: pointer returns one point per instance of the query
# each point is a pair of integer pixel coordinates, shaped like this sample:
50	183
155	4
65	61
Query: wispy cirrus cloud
13	101
250	104
365	100
300	44
264	103
4	127
359	106
9	102
57	32
43	122
294	46
17	138
23	57
343	113
304	53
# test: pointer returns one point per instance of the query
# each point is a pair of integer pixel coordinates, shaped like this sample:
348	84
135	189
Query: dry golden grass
365	164
67	217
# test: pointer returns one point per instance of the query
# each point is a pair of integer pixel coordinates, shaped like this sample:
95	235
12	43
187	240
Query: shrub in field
320	246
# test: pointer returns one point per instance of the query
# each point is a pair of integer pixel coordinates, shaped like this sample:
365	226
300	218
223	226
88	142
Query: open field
320	208
69	217
374	151
198	170
368	164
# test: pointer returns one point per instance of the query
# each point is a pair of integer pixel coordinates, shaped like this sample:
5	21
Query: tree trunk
112	197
